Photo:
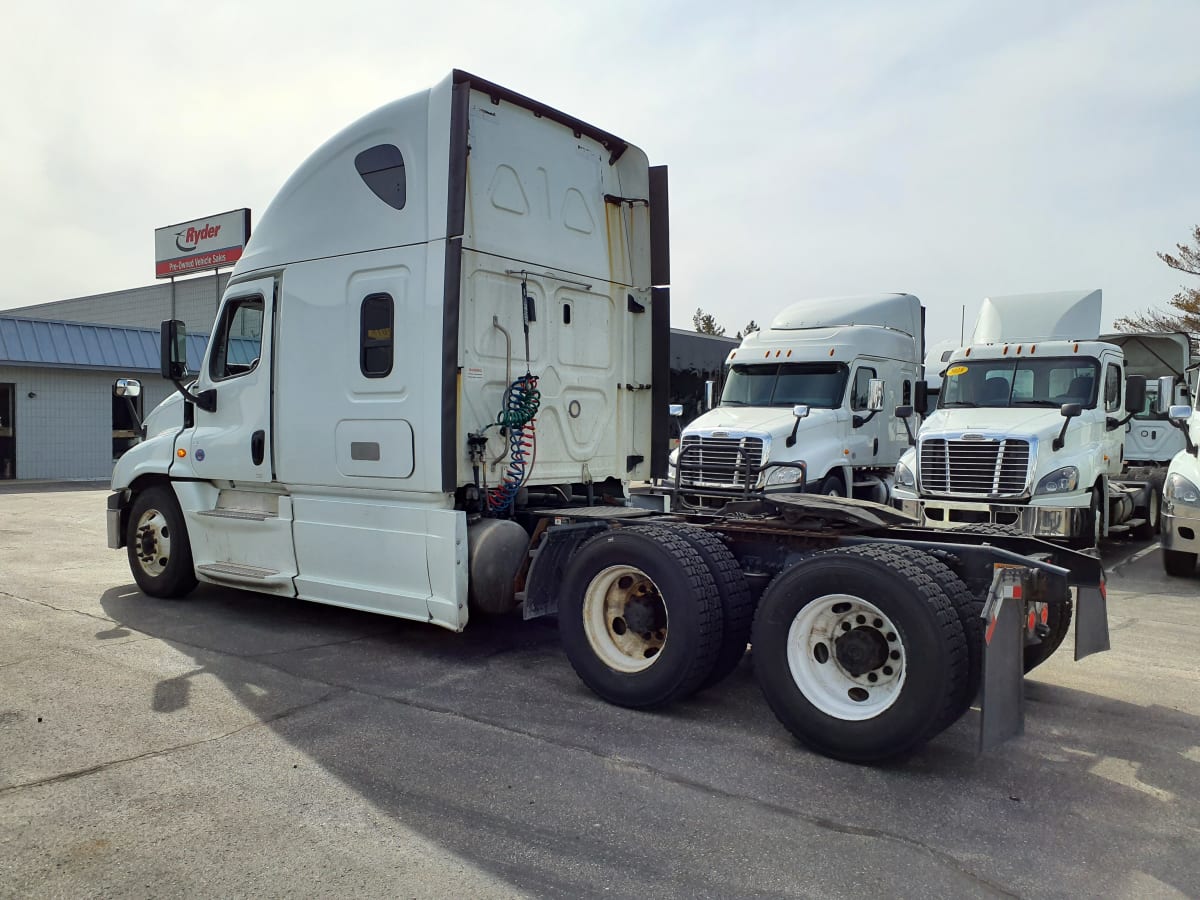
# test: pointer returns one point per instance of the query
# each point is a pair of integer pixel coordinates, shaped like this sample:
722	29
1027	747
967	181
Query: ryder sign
209	243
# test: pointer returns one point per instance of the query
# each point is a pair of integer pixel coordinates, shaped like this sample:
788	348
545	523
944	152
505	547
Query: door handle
258	446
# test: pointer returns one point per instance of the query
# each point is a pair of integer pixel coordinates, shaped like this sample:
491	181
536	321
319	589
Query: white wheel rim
821	672
152	542
625	619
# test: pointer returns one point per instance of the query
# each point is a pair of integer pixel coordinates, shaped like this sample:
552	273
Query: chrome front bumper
1180	533
1038	521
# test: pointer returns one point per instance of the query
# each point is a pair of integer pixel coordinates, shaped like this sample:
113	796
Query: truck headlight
784	475
1179	490
904	476
1060	481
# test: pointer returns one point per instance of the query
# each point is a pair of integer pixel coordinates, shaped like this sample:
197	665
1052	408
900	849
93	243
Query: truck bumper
116	534
1181	533
1038	521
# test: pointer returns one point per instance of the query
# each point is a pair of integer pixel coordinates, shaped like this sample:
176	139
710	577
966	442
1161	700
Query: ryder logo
188	239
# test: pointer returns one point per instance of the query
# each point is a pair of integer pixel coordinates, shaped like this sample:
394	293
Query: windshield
1020	382
819	385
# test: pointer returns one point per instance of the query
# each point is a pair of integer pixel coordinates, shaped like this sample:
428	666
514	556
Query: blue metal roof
76	345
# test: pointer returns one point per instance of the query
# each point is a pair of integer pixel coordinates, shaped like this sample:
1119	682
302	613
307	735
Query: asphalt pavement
231	744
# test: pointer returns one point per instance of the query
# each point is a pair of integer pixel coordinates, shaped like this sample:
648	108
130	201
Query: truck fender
548	563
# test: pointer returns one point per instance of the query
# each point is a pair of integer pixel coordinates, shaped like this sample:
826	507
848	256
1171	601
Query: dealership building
59	419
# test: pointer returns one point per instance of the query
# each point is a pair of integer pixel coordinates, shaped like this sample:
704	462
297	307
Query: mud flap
1091	621
1003	688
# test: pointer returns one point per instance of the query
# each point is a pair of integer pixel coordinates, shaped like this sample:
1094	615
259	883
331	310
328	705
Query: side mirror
921	397
875	394
1166	393
1179	413
709	390
1069	411
800	410
1135	393
173	349
904	412
675	410
127	387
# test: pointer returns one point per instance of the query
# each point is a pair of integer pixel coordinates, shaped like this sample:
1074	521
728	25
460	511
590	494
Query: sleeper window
376	336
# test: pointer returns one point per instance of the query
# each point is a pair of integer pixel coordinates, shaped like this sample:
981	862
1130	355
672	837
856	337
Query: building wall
64	431
145	307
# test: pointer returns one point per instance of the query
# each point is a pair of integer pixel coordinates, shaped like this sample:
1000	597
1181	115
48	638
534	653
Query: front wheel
860	653
832	486
160	555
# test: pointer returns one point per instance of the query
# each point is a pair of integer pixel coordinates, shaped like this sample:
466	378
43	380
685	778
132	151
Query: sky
952	150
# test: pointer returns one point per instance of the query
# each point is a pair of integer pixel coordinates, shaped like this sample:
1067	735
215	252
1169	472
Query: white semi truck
1031	426
434	374
1181	491
806	402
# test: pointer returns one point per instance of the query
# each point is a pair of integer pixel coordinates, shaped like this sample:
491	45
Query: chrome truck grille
719	461
986	467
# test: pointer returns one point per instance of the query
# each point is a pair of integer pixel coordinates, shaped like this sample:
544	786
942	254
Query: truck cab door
233	442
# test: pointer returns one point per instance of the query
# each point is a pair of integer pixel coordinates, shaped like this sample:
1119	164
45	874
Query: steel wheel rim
822	676
625	619
152	542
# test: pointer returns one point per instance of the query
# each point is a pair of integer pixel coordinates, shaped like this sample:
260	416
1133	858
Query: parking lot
233	744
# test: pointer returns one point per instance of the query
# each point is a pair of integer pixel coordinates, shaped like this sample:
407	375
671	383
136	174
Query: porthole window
377	336
382	170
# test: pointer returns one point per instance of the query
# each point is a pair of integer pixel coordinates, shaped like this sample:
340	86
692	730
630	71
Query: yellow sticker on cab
956	370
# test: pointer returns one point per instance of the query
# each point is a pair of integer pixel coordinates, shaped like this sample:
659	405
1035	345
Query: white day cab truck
1181	490
804	400
435	373
1031	426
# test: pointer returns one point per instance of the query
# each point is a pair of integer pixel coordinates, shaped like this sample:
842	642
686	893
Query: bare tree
1184	308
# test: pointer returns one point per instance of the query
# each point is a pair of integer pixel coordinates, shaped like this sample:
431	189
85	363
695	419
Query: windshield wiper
1049	403
959	403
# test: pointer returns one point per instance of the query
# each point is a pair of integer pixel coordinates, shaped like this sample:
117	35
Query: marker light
181	453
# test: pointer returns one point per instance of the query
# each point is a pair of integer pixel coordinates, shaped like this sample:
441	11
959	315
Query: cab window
1112	388
238	343
862	388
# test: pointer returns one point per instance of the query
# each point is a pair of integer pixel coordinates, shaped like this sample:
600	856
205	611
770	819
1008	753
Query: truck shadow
487	744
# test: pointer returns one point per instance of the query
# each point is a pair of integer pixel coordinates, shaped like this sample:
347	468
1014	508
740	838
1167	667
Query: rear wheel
1058	622
737	605
860	653
969	610
160	555
1149	528
1178	563
639	616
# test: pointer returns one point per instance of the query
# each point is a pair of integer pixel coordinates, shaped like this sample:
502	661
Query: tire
160	555
737	605
653	577
832	486
1149	528
908	626
1178	563
1058	620
969	610
1093	524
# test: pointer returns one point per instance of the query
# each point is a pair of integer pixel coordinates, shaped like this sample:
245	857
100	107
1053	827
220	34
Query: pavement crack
166	751
60	609
336	643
